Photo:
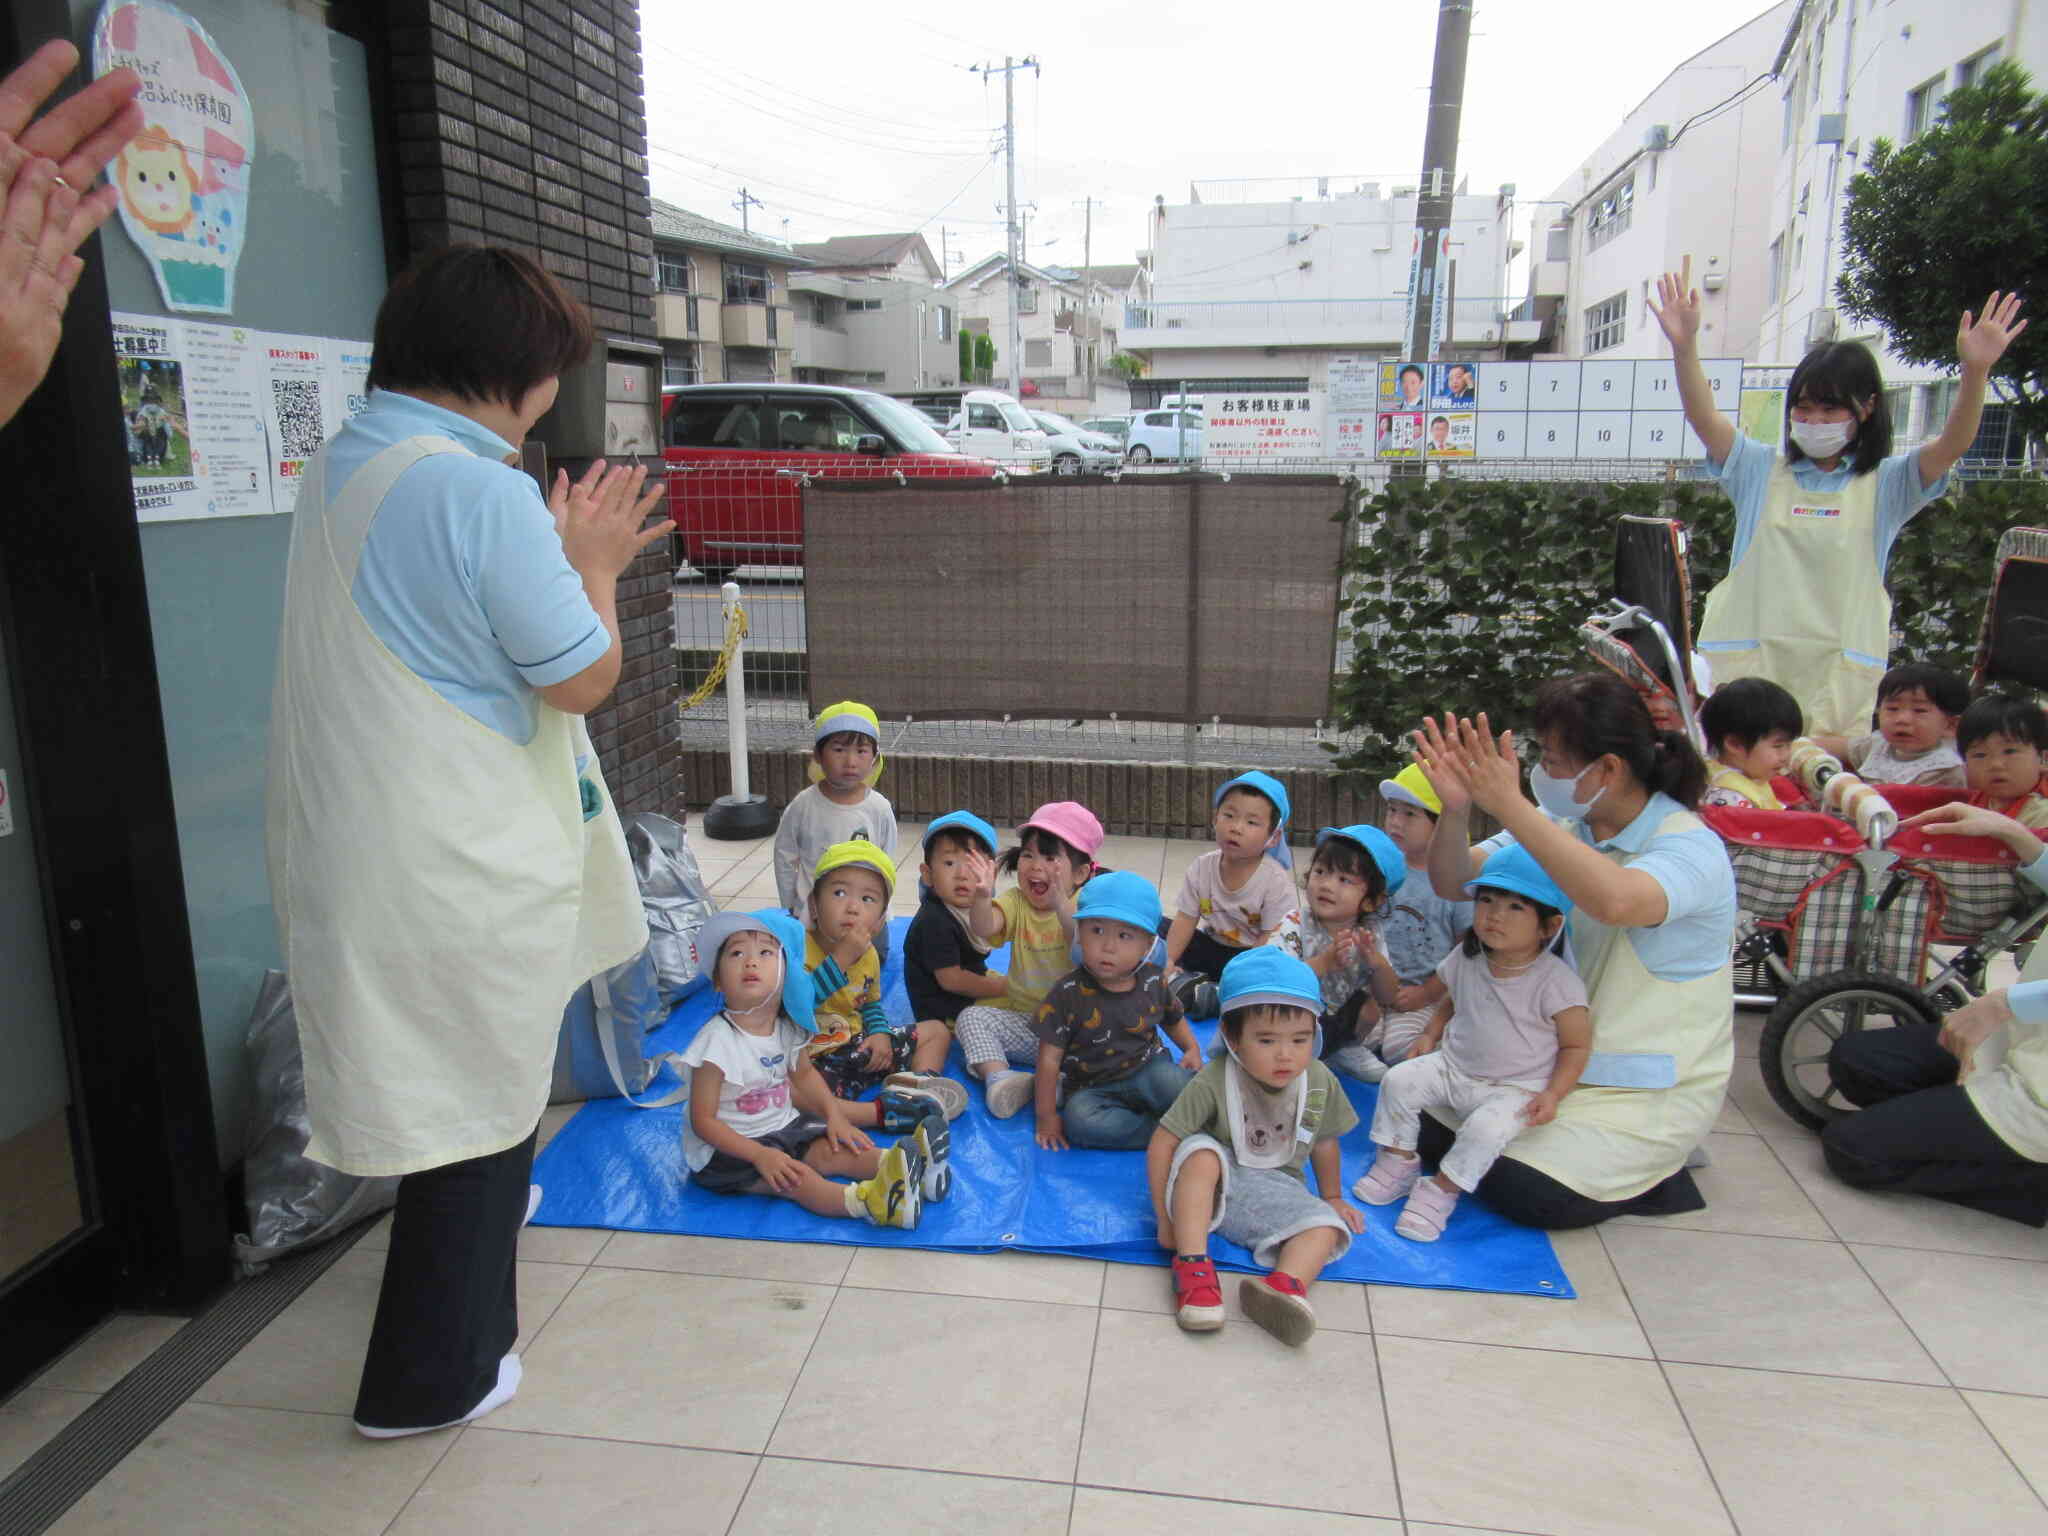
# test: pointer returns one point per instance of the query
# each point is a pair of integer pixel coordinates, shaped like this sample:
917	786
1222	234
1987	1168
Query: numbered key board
1577	409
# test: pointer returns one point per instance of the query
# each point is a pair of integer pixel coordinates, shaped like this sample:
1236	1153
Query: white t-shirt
1246	917
754	1098
1501	1026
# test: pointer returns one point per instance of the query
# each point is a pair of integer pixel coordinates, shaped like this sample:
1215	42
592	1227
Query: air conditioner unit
1820	326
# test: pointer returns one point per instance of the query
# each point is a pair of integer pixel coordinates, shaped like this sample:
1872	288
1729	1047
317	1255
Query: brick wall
523	123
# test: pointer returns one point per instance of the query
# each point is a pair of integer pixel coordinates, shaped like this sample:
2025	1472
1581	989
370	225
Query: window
986	418
690	316
678	366
746	283
715	422
855	306
820	426
1027	299
678	274
877	378
1921	105
745	365
945	322
772	313
1971	70
1611	214
1774	284
1038	354
1791	117
1607	323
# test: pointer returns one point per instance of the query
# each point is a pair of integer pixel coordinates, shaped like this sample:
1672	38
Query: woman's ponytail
1678	770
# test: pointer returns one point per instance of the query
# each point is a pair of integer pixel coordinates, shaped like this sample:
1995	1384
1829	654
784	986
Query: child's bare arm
778	1169
1325	1159
1574	1046
984	916
1158	1162
787	856
1178	933
1182	1034
1424	994
1046	1097
1433	1032
962	982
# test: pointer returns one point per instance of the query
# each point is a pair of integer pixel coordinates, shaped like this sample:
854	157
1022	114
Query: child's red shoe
1278	1303
1197	1295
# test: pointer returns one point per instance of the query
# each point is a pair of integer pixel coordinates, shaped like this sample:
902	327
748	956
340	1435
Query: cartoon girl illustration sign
184	180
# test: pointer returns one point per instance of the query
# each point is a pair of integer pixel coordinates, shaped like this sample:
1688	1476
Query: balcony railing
1318	319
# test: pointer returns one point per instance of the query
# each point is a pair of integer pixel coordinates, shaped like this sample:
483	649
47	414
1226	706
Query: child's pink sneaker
1198	1298
1388	1179
1423	1217
1278	1303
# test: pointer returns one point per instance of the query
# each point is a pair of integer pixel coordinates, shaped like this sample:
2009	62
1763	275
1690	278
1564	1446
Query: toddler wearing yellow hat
840	802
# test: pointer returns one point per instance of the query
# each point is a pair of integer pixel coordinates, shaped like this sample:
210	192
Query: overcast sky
859	118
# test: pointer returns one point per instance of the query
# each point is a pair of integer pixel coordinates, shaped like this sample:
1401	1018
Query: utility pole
1089	334
1014	258
746	200
1439	176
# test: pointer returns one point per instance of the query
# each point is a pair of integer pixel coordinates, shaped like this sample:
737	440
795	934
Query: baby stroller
1644	635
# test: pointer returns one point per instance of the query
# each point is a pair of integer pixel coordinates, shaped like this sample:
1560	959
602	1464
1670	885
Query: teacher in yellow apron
1653	917
445	863
1959	1112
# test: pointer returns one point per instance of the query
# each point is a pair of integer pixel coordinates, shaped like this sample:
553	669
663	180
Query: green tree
1127	365
966	356
1935	225
984	356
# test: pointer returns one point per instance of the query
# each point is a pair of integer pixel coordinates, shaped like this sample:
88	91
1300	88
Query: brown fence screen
1184	597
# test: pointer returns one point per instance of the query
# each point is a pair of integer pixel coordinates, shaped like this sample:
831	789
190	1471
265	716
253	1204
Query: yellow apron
2009	1081
438	893
1615	1143
1806	605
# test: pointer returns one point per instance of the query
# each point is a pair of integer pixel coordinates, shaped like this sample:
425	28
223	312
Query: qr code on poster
298	417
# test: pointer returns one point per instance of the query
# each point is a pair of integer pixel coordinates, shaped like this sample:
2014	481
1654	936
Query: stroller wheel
1793	1053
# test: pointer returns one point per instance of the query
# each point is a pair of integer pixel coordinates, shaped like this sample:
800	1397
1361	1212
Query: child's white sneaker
1388	1179
1428	1208
1009	1092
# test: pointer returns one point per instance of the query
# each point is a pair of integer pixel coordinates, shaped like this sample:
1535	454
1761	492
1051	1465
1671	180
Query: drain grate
85	1450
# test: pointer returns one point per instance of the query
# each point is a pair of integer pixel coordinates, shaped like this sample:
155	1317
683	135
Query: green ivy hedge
1465	594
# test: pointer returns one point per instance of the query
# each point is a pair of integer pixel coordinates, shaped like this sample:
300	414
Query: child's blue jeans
1123	1115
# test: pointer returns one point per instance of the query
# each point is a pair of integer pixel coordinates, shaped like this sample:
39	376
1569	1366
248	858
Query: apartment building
1068	322
1258	285
1687	173
869	312
722	301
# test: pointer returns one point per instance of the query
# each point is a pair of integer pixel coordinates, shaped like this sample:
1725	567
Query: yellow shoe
892	1197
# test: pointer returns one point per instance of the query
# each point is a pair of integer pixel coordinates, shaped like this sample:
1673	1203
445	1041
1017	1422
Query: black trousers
1206	956
1535	1199
449	1308
1917	1131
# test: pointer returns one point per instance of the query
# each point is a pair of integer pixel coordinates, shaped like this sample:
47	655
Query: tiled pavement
1797	1358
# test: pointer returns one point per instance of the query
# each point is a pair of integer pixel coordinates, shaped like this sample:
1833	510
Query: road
774	598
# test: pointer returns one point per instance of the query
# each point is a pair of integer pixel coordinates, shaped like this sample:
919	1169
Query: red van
736	454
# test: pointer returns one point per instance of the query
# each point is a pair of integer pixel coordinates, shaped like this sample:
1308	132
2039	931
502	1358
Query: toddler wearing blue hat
1354	872
1098	1028
1501	1050
1229	1155
945	962
1236	896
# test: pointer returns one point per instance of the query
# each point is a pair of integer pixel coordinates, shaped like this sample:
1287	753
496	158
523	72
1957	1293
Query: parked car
1118	427
1167	435
992	425
1076	450
737	454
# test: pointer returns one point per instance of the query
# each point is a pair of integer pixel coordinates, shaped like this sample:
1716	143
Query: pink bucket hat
1069	821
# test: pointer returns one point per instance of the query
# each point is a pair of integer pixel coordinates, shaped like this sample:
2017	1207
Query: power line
888	214
900	127
839	133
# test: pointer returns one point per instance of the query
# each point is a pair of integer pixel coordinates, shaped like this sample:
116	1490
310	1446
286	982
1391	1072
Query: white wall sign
1250	427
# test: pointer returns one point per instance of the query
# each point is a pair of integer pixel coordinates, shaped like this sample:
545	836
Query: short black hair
1272	809
1344	857
842	738
952	837
1595	713
1408	368
1235	1020
1844	374
2003	714
1439	421
1951	695
1749	709
483	323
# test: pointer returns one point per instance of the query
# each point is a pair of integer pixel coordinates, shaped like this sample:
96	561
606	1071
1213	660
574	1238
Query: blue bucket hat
1269	976
799	997
1391	862
1512	869
1264	784
963	821
1121	898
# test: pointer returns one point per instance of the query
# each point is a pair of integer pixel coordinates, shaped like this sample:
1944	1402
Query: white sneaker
509	1372
1010	1092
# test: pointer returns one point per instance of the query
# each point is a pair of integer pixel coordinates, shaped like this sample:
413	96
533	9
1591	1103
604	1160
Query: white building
1260	294
1683	175
1850	72
1068	325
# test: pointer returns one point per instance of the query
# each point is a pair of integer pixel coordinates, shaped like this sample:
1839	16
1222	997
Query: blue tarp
620	1167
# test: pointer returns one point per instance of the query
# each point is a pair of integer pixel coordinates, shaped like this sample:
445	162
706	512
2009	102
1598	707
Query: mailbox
609	407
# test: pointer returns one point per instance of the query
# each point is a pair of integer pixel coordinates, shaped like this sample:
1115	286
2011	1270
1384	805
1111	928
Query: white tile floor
1798	1358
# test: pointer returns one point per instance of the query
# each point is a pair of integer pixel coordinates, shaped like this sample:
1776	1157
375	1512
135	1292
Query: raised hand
1981	341
600	517
1677	307
1436	754
981	871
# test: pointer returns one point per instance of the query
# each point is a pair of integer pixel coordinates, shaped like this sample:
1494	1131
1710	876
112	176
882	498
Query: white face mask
1822	439
1557	796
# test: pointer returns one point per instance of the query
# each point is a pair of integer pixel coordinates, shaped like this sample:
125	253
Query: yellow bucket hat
858	851
1411	786
847	715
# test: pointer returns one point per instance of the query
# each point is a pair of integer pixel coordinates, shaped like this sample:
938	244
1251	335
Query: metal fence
746	522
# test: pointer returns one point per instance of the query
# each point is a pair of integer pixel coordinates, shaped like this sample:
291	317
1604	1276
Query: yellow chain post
735	631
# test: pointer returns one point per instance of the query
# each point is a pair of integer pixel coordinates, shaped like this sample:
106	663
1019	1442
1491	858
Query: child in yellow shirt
1750	725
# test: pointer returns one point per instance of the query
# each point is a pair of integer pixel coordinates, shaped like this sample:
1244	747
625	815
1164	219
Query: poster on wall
1353	397
184	179
311	385
1247	428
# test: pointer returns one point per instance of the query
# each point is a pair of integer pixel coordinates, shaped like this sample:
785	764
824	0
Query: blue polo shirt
1747	471
462	574
1692	866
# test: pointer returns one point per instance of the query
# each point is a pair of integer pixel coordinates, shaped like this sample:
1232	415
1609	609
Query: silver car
1076	450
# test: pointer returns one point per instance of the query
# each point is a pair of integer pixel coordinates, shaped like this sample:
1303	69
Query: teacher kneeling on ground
1653	917
445	862
1958	1111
